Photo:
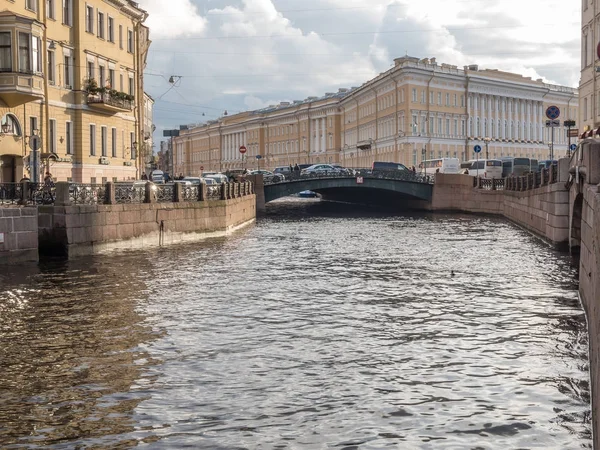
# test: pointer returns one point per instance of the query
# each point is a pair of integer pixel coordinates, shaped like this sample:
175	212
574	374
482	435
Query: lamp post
486	141
569	124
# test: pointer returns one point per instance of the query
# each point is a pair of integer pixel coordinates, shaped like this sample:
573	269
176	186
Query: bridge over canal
362	186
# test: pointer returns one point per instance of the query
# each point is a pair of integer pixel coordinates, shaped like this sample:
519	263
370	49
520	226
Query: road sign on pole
553	123
201	168
242	149
477	148
552	112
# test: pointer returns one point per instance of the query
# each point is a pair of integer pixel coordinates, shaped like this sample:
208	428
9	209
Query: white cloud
228	61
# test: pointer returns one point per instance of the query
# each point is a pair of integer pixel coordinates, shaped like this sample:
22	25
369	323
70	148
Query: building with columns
416	110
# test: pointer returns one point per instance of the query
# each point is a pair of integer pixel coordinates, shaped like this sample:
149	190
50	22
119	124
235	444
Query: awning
597	131
583	135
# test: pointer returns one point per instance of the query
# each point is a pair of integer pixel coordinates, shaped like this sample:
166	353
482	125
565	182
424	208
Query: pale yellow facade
589	88
71	74
417	110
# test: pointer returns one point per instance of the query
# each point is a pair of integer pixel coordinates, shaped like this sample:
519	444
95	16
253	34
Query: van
486	168
516	166
440	165
157	176
380	166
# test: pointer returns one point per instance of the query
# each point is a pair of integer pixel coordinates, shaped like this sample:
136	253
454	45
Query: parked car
344	170
218	177
321	169
268	175
282	170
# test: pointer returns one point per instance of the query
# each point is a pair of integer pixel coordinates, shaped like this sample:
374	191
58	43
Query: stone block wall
18	235
90	229
544	211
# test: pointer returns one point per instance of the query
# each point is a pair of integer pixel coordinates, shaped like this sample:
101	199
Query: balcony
365	145
19	88
110	103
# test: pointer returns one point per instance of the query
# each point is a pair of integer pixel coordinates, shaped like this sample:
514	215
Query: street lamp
569	124
486	141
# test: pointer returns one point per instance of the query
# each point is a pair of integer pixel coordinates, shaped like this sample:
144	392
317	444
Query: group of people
295	168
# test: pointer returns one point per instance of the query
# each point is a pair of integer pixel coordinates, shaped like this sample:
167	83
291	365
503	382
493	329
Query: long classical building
71	82
417	110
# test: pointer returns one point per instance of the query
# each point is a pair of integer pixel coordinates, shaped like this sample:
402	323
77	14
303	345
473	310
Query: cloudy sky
239	55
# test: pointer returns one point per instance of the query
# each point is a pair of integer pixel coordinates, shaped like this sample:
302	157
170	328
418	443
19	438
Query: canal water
321	327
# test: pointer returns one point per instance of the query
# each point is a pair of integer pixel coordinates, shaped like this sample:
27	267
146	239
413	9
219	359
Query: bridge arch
575	228
339	188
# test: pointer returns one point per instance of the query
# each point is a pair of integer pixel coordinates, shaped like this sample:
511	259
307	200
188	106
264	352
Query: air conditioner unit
104	160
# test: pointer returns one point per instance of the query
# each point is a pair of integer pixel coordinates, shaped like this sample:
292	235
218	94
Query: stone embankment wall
544	211
91	229
18	235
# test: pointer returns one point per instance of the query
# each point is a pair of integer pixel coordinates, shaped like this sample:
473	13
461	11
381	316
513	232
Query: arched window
10	125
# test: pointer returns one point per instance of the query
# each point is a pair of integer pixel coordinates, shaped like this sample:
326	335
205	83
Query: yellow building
589	89
71	74
417	110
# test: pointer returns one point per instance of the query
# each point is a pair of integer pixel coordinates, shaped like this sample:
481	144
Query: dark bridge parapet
405	184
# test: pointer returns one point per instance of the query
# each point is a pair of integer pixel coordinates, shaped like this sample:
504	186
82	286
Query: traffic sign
553	123
201	167
573	147
242	149
552	112
35	142
477	148
258	156
360	180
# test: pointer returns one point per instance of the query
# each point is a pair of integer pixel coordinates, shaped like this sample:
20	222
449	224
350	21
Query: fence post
177	193
202	191
149	197
224	191
493	184
62	194
109	194
25	188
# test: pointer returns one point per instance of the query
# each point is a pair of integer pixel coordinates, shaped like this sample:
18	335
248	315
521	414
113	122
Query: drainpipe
44	68
468	116
429	109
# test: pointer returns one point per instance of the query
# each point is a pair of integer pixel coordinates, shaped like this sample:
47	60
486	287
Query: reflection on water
322	326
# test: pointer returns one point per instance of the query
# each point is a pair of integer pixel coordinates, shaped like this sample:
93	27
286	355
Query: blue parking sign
573	147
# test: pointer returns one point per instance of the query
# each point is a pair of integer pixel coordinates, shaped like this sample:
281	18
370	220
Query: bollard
224	189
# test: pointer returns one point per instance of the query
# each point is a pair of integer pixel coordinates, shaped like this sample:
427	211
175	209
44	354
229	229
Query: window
69	137
91	70
447	99
68	71
67	8
50	9
414	95
111	29
113	144
100	25
130	41
103	140
30	60
111	78
89	19
32	126
5	52
439	98
10	121
31	4
101	76
121	83
52	136
92	140
431	94
131	86
121	37
50	70
423	96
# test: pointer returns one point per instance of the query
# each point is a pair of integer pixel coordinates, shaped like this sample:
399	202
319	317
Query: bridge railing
526	182
401	175
27	193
